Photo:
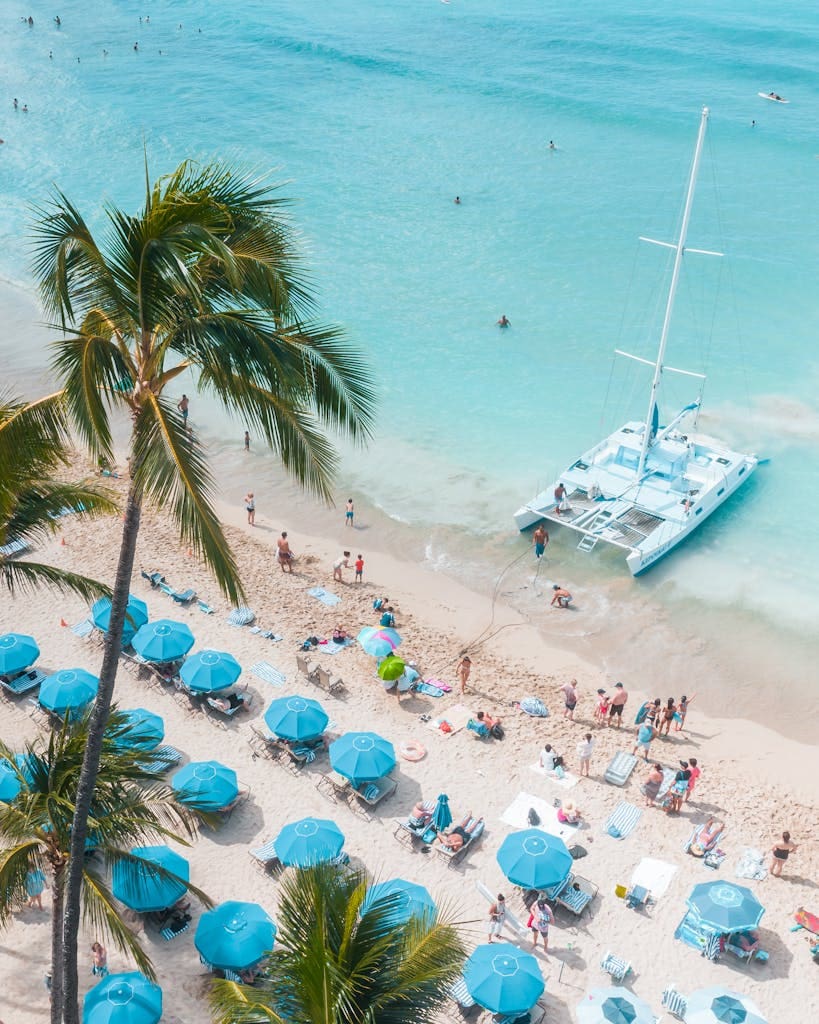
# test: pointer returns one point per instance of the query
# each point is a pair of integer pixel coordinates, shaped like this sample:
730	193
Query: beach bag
533	817
497	732
531	920
445	727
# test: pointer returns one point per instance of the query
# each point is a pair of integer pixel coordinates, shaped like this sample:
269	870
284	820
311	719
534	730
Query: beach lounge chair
620	768
333	785
205	608
265	859
180	596
373	793
746	955
163	758
244	703
307	669
460	993
154	578
674	1002
22	682
453	856
172	931
14	547
615	967
263	744
479	729
83	629
332	684
407	831
576	894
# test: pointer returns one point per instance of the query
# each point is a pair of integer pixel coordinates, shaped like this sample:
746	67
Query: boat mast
669	306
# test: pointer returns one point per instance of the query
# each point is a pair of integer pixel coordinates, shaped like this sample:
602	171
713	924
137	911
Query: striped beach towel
268	674
241	617
623	820
320	594
168	933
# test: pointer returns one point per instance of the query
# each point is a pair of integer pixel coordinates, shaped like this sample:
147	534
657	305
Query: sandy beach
753	778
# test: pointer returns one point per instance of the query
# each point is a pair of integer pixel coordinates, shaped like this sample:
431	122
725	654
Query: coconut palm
130	808
205	279
330	965
34	444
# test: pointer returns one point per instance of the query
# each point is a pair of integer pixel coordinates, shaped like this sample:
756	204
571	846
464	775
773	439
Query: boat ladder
588	542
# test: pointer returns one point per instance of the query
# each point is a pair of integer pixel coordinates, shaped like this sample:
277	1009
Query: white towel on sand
517	815
654	875
566	782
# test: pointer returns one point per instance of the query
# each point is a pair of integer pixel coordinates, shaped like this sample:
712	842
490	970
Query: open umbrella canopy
72	689
442	815
613	1006
408	900
309	841
139	886
234	936
143	729
503	978
17	651
534	859
163	640
379	641
209	671
27	766
391	668
10	784
717	1005
296	718
362	756
206	785
725	907
136	615
123	999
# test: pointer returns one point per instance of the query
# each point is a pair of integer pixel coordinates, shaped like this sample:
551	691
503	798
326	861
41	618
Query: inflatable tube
412	750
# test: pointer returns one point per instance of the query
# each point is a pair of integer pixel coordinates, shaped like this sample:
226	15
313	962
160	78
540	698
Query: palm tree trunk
91	761
57	968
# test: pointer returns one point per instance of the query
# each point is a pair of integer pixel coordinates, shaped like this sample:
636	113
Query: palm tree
206	278
34	444
331	965
129	809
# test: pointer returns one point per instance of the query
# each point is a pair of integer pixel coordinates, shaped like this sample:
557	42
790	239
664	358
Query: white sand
760	782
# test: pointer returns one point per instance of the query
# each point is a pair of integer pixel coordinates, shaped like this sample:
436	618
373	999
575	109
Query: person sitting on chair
461	834
492	724
748	941
419	816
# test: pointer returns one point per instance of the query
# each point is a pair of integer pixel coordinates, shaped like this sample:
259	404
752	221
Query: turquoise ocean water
379	112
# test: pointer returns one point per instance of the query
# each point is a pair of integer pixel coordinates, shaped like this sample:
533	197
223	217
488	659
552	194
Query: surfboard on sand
773	99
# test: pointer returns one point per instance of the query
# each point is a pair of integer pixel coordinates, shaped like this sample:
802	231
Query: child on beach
359	568
250	506
339	564
601	712
387	618
682	711
348	515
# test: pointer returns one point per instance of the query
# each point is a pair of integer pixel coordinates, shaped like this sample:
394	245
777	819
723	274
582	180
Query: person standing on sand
540	538
618	702
497	917
462	672
645	734
779	854
99	960
35	883
669	711
569	691
250	506
283	553
651	787
247	441
682	711
182	405
695	774
539	921
602	710
339	564
349	514
359	568
584	752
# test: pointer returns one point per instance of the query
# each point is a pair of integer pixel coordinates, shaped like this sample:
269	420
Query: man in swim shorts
618	702
540	538
562	598
284	554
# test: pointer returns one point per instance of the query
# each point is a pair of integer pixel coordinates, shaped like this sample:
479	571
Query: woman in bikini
668	716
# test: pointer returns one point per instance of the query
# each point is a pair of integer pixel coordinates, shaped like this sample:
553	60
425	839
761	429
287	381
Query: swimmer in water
503	322
552	145
457	200
136	46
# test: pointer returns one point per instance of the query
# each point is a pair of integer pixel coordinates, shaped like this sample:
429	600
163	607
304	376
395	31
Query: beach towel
623	820
751	864
268	674
83	629
320	594
267	634
567	782
438	684
654	875
429	690
241	617
456	718
334	646
517	815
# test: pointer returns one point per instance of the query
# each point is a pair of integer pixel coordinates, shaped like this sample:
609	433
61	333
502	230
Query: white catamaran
646	487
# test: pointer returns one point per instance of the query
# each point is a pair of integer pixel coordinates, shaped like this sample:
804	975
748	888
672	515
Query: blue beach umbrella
613	1006
234	936
725	907
442	815
503	978
534	859
717	1005
140	887
379	641
10	784
296	718
163	640
362	756
123	999
409	899
309	841
206	785
145	729
136	615
209	671
72	689
17	651
27	765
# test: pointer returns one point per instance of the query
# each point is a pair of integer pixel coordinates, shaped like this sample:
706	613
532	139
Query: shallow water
379	114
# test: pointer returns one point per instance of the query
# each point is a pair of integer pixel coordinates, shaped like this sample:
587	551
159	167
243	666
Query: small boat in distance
647	487
773	96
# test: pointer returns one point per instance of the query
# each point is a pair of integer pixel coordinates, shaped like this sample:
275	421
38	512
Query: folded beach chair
373	793
674	1002
205	608
623	820
25	682
620	768
332	684
264	858
615	966
154	578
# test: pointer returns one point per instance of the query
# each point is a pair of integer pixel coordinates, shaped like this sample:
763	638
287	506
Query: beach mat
623	820
438	684
457	717
654	875
428	689
567	782
333	646
320	594
751	864
268	674
517	815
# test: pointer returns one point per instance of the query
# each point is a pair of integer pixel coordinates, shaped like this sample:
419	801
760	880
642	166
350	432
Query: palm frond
27	576
36	512
102	913
15	863
37	428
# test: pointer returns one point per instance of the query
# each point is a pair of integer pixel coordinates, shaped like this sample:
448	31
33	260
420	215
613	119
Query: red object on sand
808	921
